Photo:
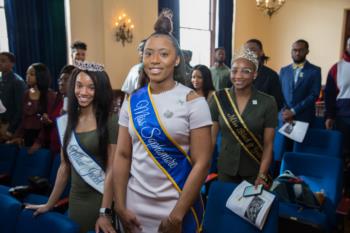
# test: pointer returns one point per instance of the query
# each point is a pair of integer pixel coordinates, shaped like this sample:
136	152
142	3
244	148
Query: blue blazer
302	95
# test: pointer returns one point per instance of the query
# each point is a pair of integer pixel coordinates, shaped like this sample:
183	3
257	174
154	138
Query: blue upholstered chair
8	155
321	142
36	164
318	123
49	222
320	173
219	219
41	199
10	209
279	147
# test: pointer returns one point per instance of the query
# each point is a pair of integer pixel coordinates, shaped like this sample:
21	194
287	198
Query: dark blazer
302	95
259	113
268	82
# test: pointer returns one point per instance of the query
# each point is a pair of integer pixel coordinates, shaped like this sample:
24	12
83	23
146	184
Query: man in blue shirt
12	88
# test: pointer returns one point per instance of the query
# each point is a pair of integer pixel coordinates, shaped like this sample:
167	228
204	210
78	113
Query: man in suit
301	84
267	80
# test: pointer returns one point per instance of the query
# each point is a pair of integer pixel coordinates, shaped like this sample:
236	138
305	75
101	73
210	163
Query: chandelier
124	28
269	7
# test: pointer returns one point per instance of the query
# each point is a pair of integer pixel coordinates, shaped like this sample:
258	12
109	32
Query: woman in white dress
156	182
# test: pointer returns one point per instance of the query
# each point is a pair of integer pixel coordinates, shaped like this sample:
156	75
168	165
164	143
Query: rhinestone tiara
249	55
88	66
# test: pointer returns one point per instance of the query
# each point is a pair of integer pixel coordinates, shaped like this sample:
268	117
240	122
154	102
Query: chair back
53	174
49	222
219	219
8	155
318	123
10	209
318	171
279	146
321	142
27	165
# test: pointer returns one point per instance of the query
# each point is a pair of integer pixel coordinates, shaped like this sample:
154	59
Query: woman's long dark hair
207	79
43	81
164	26
102	105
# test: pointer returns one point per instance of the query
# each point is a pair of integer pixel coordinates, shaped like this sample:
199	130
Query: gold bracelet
263	177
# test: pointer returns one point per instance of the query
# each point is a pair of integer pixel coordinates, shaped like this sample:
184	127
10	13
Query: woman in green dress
88	133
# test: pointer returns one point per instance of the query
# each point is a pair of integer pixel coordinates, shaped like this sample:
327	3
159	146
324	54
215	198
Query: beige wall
320	22
93	21
86	24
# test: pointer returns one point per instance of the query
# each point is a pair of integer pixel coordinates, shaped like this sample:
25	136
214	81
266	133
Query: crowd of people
151	160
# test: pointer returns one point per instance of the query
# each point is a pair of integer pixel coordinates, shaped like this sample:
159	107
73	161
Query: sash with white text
83	163
233	120
164	151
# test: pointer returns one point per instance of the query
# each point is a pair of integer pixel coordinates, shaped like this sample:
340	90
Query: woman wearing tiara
247	119
163	150
88	133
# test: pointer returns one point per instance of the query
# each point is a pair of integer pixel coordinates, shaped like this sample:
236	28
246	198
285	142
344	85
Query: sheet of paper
254	209
295	130
2	107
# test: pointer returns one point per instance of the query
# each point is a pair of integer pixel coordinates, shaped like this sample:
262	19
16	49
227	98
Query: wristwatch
105	212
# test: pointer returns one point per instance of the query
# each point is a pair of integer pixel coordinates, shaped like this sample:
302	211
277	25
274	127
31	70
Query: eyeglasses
245	71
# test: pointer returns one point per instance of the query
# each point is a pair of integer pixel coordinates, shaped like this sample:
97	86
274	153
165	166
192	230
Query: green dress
85	201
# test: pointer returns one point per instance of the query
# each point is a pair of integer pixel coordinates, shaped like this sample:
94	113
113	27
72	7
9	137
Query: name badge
254	102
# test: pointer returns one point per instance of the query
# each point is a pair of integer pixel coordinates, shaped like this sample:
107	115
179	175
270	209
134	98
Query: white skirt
149	211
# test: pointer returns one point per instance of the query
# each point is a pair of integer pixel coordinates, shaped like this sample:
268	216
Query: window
197	27
4	44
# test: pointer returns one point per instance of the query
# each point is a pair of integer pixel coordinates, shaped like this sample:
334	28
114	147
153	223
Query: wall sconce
124	28
269	7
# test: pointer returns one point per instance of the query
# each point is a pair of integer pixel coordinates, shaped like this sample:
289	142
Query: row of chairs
18	166
322	174
318	161
320	167
15	219
316	141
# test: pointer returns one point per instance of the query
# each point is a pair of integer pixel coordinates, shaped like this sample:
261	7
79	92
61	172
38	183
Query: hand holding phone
253	190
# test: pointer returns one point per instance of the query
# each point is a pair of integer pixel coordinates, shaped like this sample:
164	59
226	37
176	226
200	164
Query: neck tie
296	75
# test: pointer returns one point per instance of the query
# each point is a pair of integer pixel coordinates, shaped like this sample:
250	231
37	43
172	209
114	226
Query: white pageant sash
83	163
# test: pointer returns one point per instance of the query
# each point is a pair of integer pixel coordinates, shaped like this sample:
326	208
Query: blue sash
164	151
83	163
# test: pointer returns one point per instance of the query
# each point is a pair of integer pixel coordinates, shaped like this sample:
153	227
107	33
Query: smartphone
252	190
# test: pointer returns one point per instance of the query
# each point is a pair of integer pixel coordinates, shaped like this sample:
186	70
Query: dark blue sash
164	151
